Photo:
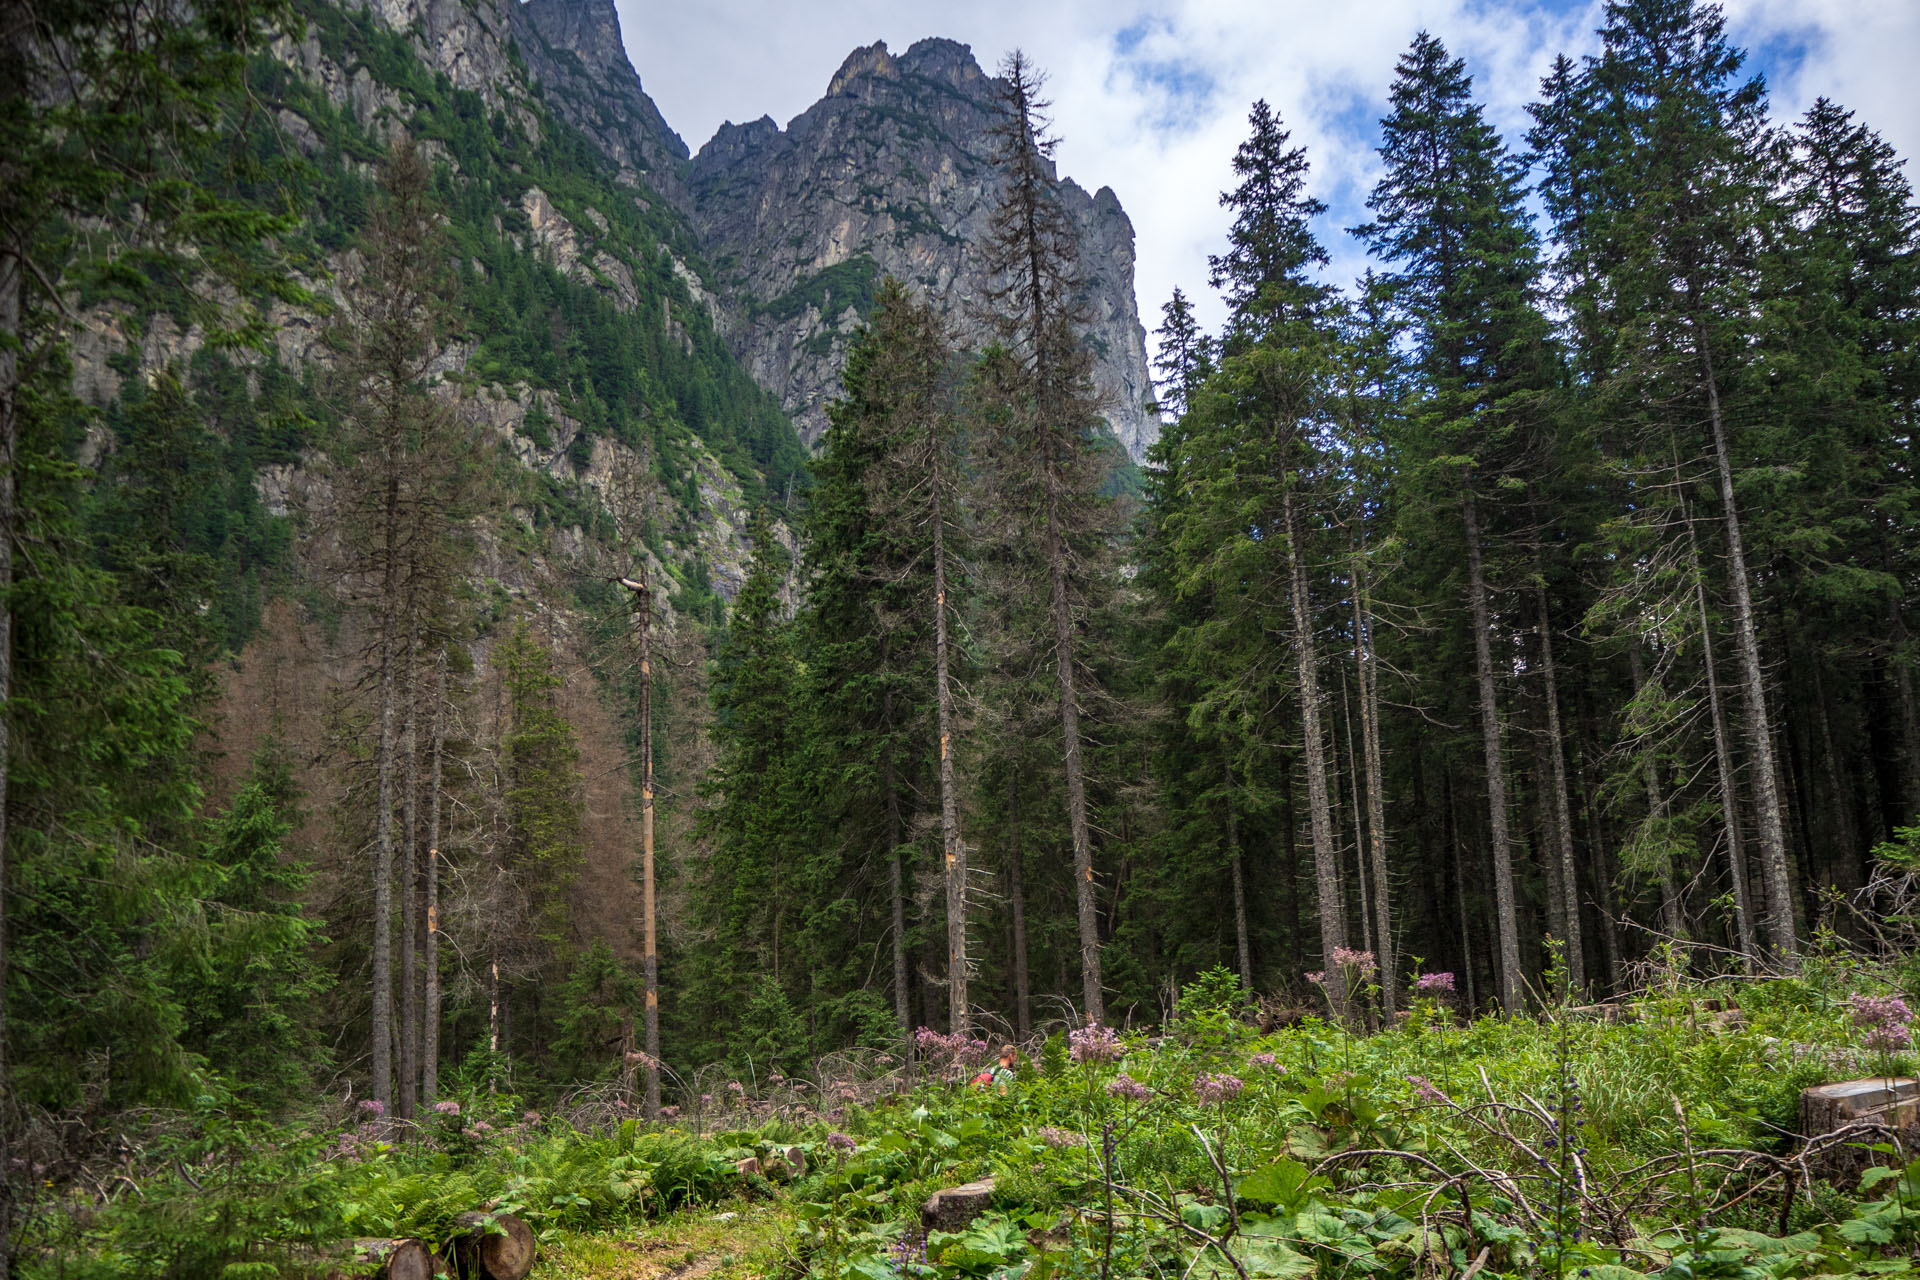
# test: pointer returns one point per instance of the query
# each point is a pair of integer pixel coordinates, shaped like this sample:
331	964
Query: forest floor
1657	1135
736	1240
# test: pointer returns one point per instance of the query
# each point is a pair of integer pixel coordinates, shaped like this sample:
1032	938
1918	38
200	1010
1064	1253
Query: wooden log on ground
491	1246
953	1208
402	1259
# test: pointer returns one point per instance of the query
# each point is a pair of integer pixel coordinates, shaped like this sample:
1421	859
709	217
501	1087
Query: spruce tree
1654	151
1450	222
1048	469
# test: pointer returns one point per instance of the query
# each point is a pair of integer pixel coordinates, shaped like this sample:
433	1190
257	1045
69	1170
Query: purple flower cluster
1125	1086
1433	983
1425	1090
1215	1090
1058	1138
447	1107
1318	977
1095	1043
1363	961
373	1107
1266	1062
841	1141
958	1048
909	1251
1885	1020
669	1113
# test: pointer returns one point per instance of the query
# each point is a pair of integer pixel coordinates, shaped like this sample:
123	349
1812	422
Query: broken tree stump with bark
1893	1103
402	1259
491	1246
953	1208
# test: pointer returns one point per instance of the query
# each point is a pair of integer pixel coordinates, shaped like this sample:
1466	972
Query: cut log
402	1259
491	1246
749	1167
798	1159
1828	1108
953	1208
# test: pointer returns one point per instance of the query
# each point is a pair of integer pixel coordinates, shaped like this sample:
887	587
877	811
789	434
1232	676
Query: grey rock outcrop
890	173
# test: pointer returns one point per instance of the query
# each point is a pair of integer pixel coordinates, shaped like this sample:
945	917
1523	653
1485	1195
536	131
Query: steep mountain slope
890	173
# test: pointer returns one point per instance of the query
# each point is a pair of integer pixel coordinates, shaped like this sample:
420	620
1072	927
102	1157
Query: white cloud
1151	97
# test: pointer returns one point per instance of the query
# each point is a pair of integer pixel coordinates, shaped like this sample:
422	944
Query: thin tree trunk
383	814
896	886
1559	809
12	272
407	1101
1359	834
1243	949
1723	758
1782	937
1087	908
1326	863
1376	789
649	913
1505	920
1017	901
952	845
430	962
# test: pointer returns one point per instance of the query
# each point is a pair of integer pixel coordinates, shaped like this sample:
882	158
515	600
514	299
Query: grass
729	1241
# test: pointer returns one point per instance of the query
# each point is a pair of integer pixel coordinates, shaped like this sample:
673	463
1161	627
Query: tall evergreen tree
1654	155
1049	469
1450	221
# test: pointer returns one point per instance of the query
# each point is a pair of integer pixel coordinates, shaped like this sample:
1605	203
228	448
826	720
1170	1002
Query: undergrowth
1656	1137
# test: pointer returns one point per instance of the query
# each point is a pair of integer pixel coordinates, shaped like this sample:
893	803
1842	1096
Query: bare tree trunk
951	844
649	915
896	887
408	1092
1505	919
1087	908
1359	831
12	273
1559	809
1376	790
1326	866
1243	949
1017	902
430	960
383	814
1774	871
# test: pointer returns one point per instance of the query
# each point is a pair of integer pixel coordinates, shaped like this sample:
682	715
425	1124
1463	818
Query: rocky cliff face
889	173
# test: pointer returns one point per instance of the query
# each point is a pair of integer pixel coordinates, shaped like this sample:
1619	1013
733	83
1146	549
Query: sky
1151	96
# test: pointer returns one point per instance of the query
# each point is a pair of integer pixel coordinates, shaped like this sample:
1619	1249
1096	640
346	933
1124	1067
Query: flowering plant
1095	1043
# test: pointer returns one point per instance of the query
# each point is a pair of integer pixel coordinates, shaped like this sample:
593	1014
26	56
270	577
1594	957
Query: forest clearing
1662	1135
576	706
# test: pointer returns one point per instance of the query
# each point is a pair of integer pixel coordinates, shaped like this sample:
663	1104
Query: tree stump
1829	1108
480	1252
953	1208
402	1259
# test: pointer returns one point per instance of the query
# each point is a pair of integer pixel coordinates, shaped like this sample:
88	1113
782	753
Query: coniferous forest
470	770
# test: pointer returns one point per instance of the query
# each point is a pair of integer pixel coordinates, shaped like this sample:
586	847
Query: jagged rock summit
889	173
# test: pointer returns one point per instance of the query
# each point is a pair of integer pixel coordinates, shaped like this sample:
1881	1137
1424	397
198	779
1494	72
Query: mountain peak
873	60
938	58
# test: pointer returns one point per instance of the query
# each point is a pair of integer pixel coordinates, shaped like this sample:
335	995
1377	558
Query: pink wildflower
1125	1086
1214	1090
1425	1090
1430	983
1057	1138
1095	1043
446	1108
